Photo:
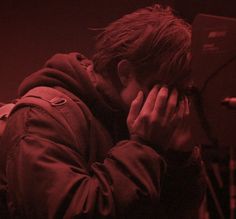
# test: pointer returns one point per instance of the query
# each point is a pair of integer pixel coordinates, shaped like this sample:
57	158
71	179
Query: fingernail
186	100
140	94
164	89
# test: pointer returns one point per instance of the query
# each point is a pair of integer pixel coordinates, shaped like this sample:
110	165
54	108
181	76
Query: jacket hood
74	73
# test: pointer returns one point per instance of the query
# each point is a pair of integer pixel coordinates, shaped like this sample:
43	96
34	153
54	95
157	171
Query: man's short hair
153	39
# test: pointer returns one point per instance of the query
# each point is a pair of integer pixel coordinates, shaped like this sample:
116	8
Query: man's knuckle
144	117
134	103
172	103
154	120
128	121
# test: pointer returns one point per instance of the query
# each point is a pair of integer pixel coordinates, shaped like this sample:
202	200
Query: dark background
32	31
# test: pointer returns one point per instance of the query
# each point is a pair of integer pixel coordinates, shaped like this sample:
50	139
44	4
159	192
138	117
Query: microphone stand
230	102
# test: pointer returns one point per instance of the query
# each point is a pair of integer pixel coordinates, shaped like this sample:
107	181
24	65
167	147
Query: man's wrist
143	141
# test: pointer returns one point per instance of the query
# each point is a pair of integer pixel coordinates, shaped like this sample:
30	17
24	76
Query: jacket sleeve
48	179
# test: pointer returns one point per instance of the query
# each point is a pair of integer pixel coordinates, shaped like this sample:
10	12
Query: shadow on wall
31	32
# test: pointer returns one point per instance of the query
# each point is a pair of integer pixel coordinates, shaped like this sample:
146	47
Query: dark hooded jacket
102	175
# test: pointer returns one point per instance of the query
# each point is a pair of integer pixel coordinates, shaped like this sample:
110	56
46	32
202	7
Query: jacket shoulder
48	113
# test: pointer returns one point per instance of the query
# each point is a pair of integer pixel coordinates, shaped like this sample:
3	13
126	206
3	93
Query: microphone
229	102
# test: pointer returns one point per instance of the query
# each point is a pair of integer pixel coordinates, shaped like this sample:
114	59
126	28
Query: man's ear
125	72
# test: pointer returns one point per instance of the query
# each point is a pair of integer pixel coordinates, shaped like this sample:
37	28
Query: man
93	165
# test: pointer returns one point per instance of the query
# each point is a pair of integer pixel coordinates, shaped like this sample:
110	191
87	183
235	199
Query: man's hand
160	120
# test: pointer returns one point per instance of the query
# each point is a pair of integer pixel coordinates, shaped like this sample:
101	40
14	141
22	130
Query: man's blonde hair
153	39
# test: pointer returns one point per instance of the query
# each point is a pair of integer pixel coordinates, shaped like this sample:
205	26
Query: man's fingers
187	111
135	108
160	103
150	101
183	111
171	106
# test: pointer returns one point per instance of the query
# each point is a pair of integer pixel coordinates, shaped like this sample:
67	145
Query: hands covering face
160	120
